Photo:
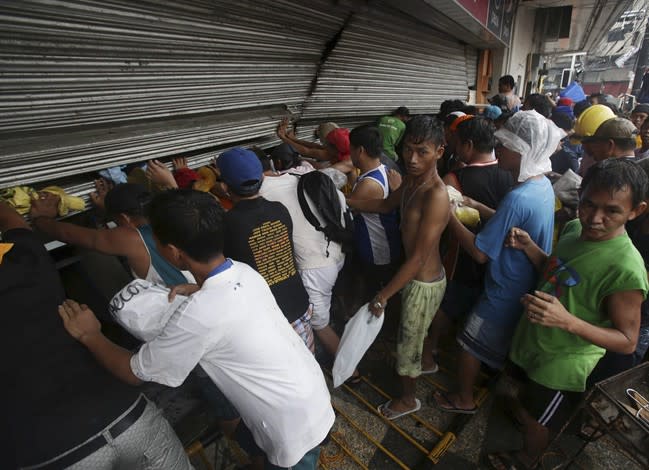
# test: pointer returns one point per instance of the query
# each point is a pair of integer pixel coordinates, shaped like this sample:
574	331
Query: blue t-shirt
510	274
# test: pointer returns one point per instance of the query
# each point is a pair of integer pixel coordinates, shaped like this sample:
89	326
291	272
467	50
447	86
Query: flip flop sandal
434	370
453	408
392	415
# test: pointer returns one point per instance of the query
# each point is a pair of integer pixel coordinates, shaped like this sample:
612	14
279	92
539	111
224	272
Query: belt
99	441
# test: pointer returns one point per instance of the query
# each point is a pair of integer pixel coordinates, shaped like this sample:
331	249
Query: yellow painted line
371	439
349	452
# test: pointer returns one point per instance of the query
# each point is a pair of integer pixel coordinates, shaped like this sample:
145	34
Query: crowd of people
261	245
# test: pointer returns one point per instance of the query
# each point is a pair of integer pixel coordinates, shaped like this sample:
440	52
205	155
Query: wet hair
131	199
478	130
563	121
580	107
448	106
503	118
369	138
424	129
262	156
190	220
500	101
470	110
539	103
617	174
401	111
507	80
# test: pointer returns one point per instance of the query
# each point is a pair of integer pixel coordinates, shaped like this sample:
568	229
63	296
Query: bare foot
429	365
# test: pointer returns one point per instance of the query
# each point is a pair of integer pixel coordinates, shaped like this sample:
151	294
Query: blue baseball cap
241	170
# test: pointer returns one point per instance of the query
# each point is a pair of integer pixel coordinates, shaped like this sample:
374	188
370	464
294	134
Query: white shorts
319	284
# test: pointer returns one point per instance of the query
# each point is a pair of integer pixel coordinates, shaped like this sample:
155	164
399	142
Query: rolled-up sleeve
171	356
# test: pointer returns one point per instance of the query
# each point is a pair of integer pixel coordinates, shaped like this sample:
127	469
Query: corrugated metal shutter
471	54
385	59
91	84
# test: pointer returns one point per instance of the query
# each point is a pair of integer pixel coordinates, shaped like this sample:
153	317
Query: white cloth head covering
534	137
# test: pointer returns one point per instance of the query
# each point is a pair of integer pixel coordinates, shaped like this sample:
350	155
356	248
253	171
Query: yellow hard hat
591	119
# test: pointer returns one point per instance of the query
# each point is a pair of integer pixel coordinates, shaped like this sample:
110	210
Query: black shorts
459	299
550	408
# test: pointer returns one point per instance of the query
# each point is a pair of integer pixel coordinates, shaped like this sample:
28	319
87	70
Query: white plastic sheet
360	332
143	308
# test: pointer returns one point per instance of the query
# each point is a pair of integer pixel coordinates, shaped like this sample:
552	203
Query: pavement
430	438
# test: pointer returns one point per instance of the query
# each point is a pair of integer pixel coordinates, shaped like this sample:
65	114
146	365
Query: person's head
596	98
590	120
615	137
423	145
538	103
563	121
188	226
338	143
127	203
450	125
324	129
365	144
612	192
639	115
402	113
241	171
506	84
449	106
501	102
474	136
285	157
644	134
580	107
525	143
492	112
563	101
501	120
263	157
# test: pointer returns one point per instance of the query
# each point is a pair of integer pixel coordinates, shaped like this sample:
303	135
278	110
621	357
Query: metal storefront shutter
471	55
88	84
385	59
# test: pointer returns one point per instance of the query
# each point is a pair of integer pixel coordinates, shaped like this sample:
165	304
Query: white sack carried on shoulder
360	332
143	308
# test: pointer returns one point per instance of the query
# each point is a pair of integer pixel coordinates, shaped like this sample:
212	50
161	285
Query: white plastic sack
143	308
360	332
566	189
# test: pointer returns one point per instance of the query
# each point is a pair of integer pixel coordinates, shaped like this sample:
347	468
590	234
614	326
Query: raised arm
303	147
521	240
623	309
435	216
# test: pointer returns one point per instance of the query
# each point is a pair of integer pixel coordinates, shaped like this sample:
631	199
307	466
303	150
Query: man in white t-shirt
231	326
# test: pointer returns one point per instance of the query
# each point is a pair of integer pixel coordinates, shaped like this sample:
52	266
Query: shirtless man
424	205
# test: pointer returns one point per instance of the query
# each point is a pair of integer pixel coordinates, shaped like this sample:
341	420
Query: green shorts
419	303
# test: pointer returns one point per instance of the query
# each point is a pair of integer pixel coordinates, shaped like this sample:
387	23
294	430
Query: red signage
477	8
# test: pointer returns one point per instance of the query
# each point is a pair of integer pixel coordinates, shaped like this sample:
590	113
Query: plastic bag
360	332
143	308
566	189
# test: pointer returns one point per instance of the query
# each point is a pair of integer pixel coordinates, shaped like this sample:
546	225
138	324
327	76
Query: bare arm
382	206
303	147
10	219
485	211
521	240
435	216
83	326
466	239
623	309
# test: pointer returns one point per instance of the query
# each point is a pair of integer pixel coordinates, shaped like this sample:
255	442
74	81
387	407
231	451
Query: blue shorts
486	340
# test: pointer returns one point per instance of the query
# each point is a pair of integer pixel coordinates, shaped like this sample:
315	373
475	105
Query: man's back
484	182
391	129
254	356
310	245
258	232
510	274
59	395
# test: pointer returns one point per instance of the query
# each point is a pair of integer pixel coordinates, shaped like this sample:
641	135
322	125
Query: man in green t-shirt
588	301
392	128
